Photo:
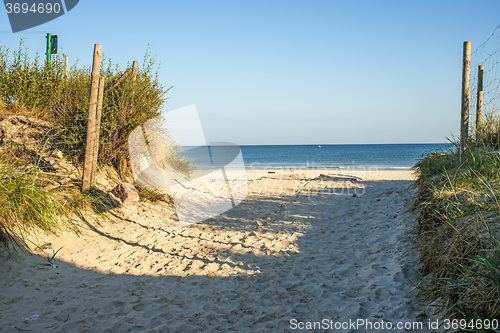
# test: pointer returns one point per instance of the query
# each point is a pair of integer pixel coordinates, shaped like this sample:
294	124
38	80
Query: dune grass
28	202
25	202
458	208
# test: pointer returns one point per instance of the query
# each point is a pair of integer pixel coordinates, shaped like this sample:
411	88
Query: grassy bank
28	197
27	84
458	208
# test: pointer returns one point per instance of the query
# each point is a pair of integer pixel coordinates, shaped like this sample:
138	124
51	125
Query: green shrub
125	106
30	84
27	200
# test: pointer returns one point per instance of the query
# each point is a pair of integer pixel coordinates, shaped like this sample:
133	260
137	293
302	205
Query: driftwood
59	184
47	180
58	175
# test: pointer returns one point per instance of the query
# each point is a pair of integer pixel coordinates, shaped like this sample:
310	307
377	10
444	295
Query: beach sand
304	246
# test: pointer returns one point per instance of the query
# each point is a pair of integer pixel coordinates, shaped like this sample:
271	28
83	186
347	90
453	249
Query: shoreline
326	168
367	174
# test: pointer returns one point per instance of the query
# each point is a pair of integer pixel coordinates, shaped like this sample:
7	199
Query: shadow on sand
346	257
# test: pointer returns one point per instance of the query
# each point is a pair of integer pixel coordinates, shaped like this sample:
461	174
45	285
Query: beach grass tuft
25	201
153	195
30	204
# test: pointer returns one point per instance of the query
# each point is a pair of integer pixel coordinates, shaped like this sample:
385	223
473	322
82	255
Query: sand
304	246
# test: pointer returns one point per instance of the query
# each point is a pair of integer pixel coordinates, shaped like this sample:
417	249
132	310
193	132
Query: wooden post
464	120
66	65
95	154
135	64
479	106
91	124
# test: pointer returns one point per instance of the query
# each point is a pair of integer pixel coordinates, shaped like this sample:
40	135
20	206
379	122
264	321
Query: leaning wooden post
479	106
91	124
95	154
66	66
464	120
135	65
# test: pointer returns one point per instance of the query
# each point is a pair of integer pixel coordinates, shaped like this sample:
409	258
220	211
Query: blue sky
291	72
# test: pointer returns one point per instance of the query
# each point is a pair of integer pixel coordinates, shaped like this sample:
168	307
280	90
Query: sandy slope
300	248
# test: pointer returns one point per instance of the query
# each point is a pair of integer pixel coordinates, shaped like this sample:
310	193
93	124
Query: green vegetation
28	198
64	100
25	202
458	208
153	195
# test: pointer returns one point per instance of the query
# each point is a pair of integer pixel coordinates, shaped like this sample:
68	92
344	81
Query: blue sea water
392	156
398	156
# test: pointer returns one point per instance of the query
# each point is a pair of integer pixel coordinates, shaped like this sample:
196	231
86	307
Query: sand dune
304	246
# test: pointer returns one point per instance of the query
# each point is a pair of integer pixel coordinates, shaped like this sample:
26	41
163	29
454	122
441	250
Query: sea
345	156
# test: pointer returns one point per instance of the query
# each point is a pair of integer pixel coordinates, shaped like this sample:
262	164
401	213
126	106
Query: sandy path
300	247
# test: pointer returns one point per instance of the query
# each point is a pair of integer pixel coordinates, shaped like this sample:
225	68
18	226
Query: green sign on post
48	50
51	48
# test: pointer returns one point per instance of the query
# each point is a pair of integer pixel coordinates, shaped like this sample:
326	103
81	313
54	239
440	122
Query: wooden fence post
135	65
464	120
66	66
95	155
479	106
91	124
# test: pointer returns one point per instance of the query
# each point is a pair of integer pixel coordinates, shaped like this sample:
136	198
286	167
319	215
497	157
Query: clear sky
291	72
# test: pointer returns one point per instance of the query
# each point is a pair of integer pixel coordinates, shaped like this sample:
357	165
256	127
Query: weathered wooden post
135	65
91	124
95	154
479	106
464	120
66	66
